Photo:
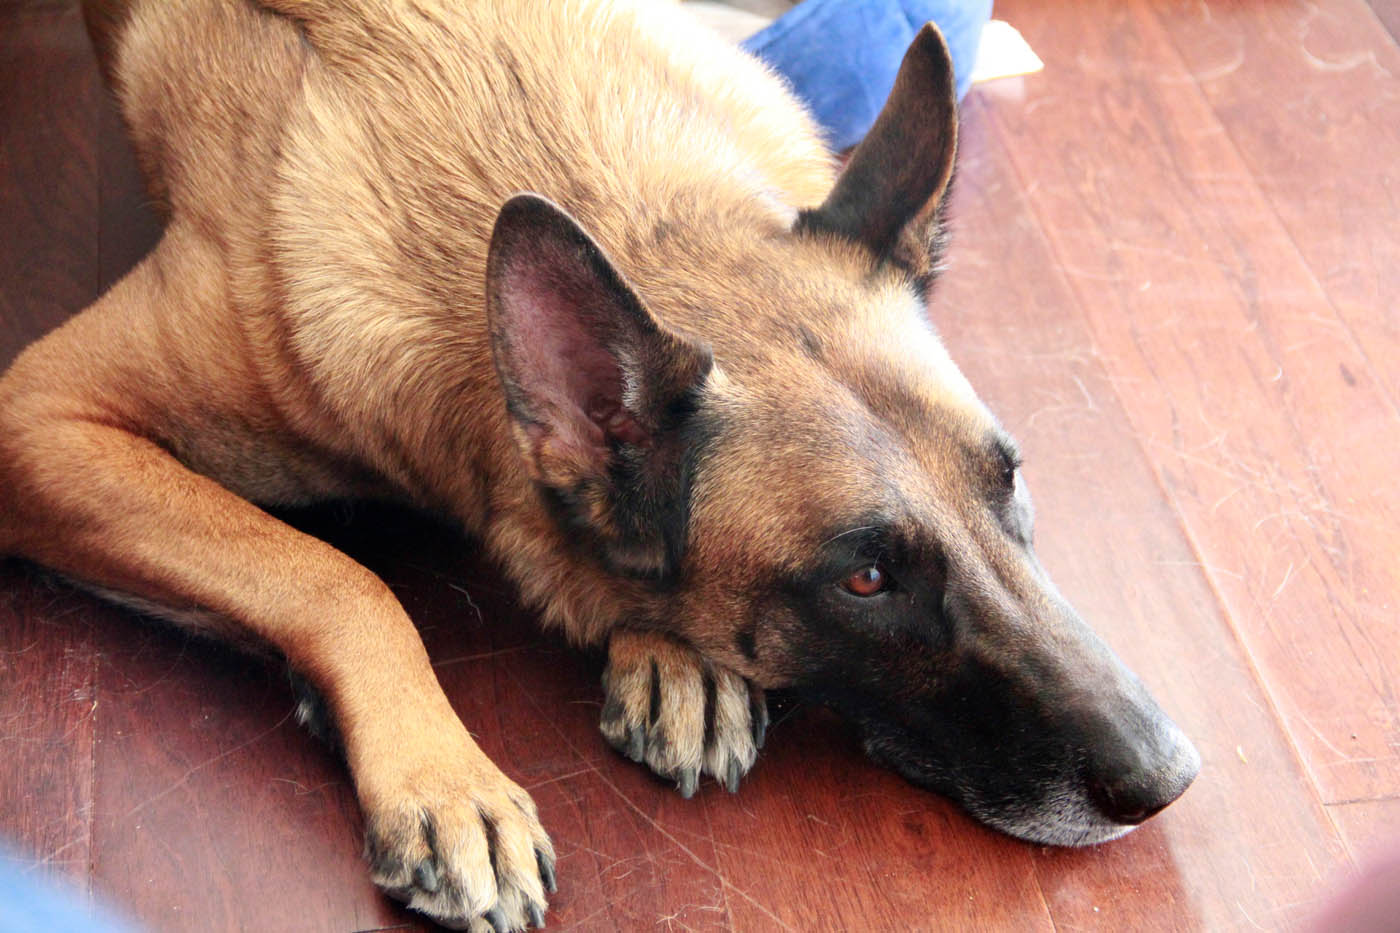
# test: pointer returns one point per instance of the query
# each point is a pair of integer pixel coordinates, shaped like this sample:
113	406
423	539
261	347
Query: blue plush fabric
30	901
841	56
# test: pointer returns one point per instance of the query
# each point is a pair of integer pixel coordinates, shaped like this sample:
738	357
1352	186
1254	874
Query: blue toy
841	56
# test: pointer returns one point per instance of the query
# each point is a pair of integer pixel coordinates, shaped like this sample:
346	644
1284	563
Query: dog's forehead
887	350
861	416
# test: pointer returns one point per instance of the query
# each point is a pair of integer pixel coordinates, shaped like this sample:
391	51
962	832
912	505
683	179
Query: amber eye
866	582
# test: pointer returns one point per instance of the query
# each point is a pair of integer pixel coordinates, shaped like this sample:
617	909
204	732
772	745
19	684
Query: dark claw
426	876
497	920
758	712
636	743
659	744
731	780
689	780
536	917
546	865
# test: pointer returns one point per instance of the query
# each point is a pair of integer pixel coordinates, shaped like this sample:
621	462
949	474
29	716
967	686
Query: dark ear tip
930	38
528	201
518	213
525	207
527	219
930	46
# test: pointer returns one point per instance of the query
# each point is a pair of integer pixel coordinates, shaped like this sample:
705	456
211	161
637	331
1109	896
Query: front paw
459	841
668	706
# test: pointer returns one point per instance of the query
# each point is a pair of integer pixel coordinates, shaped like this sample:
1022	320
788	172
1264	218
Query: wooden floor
1176	275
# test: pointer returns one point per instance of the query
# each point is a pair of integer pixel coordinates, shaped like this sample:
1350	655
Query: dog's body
657	395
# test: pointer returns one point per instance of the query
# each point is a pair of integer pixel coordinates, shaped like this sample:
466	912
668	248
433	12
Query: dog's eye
867	581
1010	463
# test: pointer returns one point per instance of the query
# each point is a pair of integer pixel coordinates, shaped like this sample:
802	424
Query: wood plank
48	200
1336	200
1264	422
47	710
820	838
1114	544
49	103
214	811
1368	826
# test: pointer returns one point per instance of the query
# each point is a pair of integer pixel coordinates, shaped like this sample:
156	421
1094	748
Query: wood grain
1368	826
1177	480
212	810
1337	202
47	710
48	268
49	106
1264	420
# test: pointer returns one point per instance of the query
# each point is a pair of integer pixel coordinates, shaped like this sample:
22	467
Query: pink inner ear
556	310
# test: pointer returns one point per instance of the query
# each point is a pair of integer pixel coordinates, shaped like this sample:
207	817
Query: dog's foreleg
87	496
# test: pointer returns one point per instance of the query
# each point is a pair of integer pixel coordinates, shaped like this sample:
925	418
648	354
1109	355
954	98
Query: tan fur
311	327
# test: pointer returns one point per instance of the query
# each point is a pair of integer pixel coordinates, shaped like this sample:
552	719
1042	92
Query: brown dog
687	395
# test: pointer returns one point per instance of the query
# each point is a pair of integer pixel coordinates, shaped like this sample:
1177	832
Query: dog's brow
850	531
1007	448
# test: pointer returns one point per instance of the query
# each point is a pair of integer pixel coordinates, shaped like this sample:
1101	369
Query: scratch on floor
1202	564
661	830
480	656
1224	70
1252	922
301	790
204	764
52	858
481	619
561	777
1347	63
1341	755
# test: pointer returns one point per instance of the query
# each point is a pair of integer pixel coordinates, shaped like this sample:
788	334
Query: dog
588	284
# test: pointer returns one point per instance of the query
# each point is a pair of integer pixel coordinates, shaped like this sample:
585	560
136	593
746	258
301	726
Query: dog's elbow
34	413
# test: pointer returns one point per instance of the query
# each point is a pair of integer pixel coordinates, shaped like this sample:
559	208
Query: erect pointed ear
889	194
603	399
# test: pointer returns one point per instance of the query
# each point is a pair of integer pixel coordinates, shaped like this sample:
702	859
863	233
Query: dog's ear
602	397
889	195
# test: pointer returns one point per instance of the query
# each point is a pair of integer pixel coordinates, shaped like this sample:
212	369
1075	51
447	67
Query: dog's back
340	166
623	112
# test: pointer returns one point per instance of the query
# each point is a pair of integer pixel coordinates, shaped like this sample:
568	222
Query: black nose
1128	803
1130	788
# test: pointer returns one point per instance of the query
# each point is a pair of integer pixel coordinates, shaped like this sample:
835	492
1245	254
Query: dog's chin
1055	813
1064	819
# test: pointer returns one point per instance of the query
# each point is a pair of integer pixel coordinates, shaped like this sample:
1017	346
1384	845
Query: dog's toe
683	716
731	745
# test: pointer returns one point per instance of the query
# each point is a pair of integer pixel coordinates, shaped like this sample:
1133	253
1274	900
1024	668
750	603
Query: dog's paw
682	715
461	842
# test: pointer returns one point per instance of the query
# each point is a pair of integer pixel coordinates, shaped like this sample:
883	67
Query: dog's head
823	503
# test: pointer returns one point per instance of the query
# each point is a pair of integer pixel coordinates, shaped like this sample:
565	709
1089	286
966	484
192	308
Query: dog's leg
666	705
84	494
